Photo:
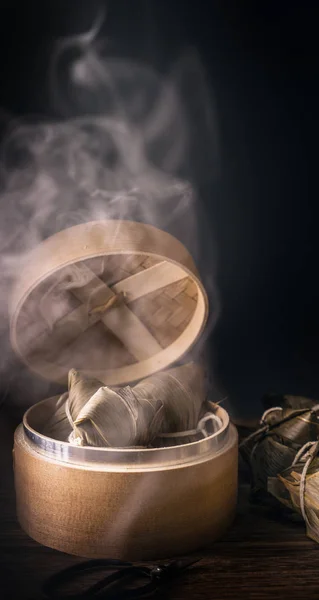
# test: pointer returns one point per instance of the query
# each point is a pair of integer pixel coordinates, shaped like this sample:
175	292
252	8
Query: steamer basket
124	503
119	301
114	293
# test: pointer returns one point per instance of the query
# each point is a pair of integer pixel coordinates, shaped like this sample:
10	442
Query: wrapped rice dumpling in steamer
167	406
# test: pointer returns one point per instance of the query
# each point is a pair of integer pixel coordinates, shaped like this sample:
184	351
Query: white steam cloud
124	153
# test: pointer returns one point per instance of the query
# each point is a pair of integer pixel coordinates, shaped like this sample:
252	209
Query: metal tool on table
120	580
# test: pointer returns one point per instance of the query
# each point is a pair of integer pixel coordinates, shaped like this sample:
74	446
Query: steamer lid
117	300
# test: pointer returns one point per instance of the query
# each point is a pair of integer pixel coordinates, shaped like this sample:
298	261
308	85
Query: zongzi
283	431
165	409
298	487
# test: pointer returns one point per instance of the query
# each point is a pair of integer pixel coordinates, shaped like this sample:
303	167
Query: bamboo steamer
127	504
120	301
57	319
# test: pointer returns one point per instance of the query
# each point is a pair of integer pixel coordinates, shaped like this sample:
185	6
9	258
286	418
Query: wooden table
261	557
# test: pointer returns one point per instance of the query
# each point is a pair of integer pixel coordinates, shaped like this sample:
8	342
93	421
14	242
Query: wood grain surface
263	555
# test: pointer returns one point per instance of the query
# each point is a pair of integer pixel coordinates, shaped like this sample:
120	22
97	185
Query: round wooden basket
124	503
118	300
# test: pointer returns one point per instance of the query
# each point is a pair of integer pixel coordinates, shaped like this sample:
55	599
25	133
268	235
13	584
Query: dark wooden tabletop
262	556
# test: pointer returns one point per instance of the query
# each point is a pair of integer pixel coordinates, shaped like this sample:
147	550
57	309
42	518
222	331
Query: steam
121	150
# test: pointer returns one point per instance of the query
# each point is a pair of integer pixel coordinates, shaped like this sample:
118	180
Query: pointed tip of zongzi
73	378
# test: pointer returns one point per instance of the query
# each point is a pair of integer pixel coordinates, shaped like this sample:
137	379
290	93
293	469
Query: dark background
262	65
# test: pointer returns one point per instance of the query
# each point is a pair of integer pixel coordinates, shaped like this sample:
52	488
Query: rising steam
121	150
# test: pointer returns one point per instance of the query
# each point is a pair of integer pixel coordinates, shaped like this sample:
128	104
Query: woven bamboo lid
117	299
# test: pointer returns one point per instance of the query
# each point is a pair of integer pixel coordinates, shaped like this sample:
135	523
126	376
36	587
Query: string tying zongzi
169	403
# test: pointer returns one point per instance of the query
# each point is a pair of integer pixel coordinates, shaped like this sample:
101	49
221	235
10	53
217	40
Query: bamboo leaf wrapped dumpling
285	427
169	402
298	487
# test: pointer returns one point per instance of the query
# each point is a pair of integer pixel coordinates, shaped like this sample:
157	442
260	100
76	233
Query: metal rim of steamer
126	458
